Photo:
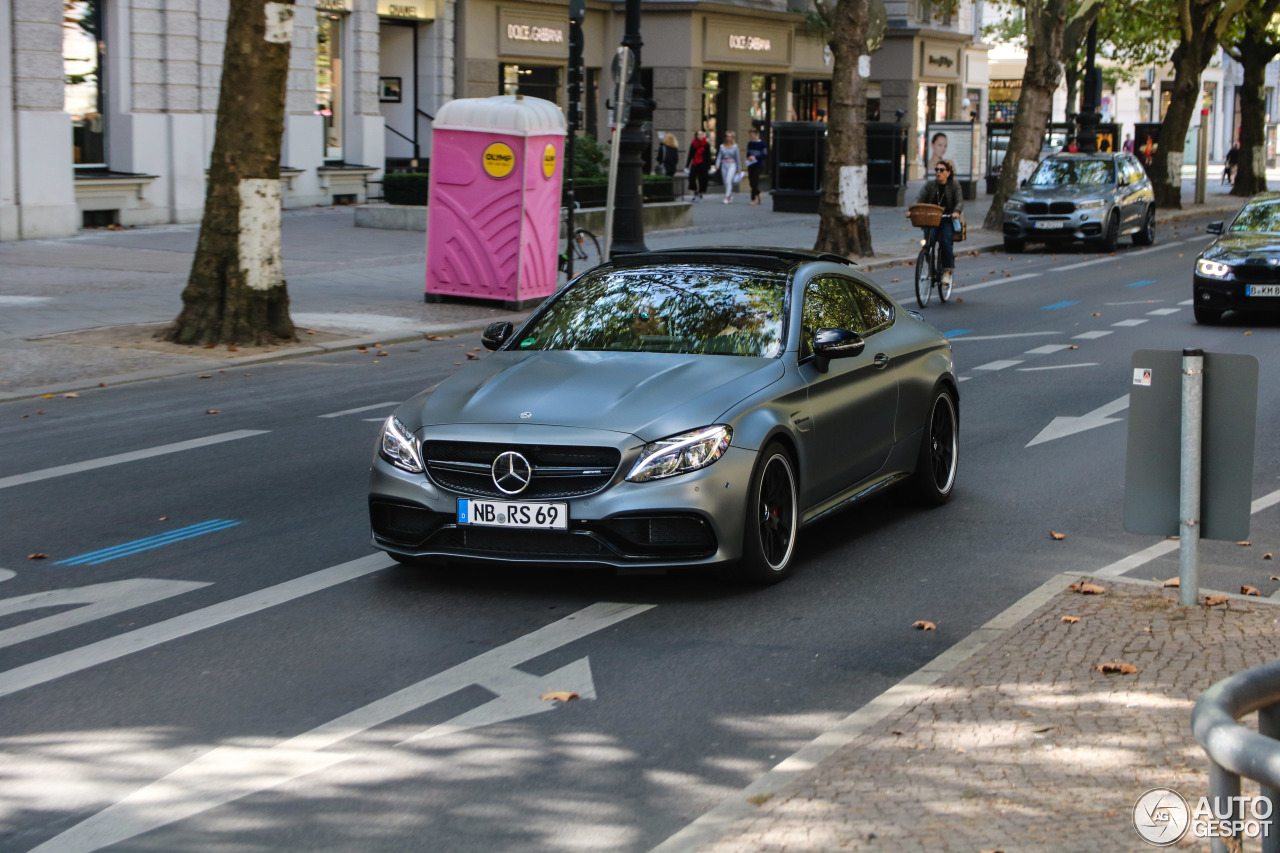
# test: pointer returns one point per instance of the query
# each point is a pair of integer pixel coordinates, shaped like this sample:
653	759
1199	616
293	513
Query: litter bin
799	155
493	224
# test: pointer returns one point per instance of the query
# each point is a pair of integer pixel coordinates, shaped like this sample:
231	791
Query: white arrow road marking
93	602
1061	427
228	773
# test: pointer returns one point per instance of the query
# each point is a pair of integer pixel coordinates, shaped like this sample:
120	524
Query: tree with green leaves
1046	25
1253	40
844	227
1132	35
1201	25
236	291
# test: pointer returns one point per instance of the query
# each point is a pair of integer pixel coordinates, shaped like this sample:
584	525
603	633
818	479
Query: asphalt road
210	659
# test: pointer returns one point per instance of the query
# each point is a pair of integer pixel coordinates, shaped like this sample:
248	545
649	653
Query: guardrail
1235	751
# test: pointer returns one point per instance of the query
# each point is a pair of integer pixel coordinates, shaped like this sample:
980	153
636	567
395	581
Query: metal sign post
621	110
1189	503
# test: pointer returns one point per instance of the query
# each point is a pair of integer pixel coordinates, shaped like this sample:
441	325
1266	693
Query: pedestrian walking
669	155
727	164
699	164
1128	144
1232	164
757	153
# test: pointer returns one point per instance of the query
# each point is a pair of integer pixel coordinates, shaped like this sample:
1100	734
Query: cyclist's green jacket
948	195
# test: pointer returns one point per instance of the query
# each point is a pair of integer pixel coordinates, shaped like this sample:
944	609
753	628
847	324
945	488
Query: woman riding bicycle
944	191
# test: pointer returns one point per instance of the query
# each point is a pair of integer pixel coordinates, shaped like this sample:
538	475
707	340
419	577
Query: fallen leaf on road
248	374
996	850
1249	590
209	346
759	799
163	518
1096	314
231	348
362	349
213	411
37	556
1071	620
1086	588
1275	578
923	625
206	375
1116	668
102	385
1248	333
1266	556
72	396
434	338
894	280
898	732
1056	536
559	696
457	363
309	332
472	355
1043	729
1244	543
1215	600
1074	346
46	396
1173	583
476	349
383	352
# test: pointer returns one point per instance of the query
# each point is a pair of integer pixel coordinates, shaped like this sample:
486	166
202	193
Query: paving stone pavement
1025	746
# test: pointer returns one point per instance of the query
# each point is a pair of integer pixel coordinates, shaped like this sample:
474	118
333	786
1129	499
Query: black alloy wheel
773	519
924	278
1111	237
1146	235
935	475
1014	245
1207	316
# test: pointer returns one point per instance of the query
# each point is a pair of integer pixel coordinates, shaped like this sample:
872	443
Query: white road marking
133	456
88	603
963	289
1059	366
998	365
1134	302
1133	322
75	660
964	378
228	773
1126	256
1048	349
1092	336
16	301
1186	302
1002	337
361	409
1163	312
1165	546
1061	427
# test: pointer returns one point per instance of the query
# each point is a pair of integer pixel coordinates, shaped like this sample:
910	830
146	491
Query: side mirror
1023	182
496	334
836	343
1214	228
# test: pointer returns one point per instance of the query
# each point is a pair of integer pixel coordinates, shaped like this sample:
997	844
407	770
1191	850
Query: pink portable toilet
493	216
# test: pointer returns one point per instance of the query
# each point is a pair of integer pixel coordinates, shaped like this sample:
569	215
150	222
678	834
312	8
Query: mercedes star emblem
511	473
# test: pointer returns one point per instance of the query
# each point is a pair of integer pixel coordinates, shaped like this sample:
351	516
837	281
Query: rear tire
1014	245
924	278
1146	235
936	466
1207	316
773	519
588	247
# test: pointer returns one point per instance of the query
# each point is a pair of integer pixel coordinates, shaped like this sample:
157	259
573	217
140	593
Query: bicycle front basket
925	215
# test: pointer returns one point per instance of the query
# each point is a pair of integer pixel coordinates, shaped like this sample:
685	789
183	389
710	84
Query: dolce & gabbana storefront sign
746	42
527	34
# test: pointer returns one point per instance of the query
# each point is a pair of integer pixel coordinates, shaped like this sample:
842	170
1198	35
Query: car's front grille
526	544
1059	208
1037	208
559	471
1257	274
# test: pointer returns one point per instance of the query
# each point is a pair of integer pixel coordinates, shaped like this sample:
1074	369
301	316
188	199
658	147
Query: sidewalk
1012	740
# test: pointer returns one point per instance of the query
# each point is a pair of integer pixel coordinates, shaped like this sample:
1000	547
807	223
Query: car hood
1244	247
649	395
1062	193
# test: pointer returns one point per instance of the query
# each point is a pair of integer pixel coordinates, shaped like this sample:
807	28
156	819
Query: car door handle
881	360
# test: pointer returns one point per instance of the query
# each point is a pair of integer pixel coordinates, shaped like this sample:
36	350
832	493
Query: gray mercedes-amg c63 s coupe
693	407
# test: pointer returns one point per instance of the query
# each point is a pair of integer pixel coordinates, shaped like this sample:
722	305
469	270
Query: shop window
84	96
715	102
764	100
532	81
811	99
592	97
329	88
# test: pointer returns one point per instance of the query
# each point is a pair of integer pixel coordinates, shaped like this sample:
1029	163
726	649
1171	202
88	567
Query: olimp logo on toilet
499	160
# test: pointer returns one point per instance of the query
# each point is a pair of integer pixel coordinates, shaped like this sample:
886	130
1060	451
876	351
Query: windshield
1074	173
1261	216
701	309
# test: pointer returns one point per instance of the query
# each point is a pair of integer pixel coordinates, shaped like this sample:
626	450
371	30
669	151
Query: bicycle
929	262
584	245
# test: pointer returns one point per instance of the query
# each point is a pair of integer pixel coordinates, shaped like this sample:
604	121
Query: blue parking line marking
956	333
93	558
1059	305
1142	283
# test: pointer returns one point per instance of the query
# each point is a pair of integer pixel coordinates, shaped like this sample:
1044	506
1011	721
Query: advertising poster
950	140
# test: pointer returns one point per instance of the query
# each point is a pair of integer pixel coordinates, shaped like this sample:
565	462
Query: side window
876	310
1132	171
829	303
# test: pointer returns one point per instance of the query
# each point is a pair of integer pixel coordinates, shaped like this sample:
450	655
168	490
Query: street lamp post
1088	119
628	208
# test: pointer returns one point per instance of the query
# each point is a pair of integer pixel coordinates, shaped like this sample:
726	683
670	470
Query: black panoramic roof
748	256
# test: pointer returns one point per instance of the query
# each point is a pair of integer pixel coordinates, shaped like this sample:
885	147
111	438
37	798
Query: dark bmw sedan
682	408
1241	269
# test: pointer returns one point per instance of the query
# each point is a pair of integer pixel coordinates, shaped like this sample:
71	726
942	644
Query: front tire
773	519
1111	237
1207	316
936	466
1146	235
924	278
1014	245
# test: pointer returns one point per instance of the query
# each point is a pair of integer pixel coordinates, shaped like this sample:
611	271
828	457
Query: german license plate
1049	225
541	516
1262	290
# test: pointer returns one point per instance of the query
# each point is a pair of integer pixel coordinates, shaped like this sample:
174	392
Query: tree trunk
844	227
236	291
1255	51
1045	23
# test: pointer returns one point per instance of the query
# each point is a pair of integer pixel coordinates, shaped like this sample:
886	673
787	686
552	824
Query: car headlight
399	447
1014	206
1213	269
680	454
1091	204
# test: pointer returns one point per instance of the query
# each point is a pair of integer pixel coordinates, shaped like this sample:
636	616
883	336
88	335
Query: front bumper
1080	225
1227	294
687	520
